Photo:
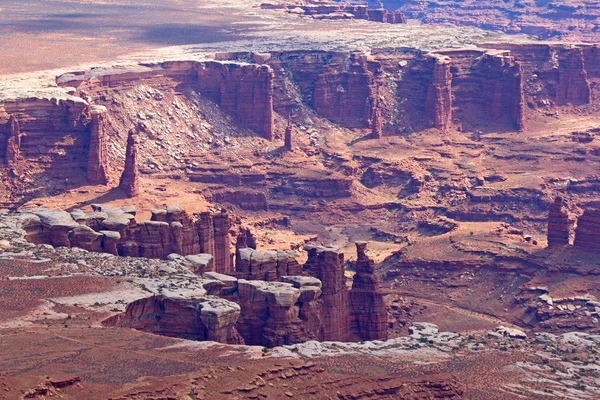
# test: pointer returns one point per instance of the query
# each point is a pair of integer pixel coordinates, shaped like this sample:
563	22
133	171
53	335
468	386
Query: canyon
300	199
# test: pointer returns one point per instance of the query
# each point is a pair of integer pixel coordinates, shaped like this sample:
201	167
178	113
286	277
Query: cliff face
341	87
50	135
487	85
558	224
573	84
245	91
205	318
115	231
438	106
587	233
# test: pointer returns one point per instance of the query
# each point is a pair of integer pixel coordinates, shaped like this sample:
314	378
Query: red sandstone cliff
438	106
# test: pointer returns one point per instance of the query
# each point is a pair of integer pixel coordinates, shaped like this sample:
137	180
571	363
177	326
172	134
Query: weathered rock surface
268	266
97	156
130	179
205	318
438	106
115	231
327	264
558	224
273	312
587	233
366	299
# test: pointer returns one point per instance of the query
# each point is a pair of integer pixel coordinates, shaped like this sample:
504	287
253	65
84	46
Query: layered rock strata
269	266
115	231
366	299
203	318
558	224
327	265
277	313
13	141
346	11
50	134
587	233
573	84
438	106
97	155
130	179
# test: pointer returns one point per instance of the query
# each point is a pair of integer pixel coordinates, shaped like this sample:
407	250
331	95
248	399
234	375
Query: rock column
327	264
130	177
13	142
97	157
366	299
288	144
222	242
558	224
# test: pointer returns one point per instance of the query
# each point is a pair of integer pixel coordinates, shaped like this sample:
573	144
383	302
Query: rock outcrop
438	106
115	231
13	141
221	225
269	266
587	233
288	143
130	179
203	318
245	91
49	134
573	84
327	265
276	313
345	11
97	156
366	299
558	224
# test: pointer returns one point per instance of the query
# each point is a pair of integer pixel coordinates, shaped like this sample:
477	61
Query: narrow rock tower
558	224
97	159
130	177
13	142
366	299
288	144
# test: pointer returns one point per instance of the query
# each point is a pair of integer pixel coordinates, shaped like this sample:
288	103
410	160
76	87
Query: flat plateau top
49	34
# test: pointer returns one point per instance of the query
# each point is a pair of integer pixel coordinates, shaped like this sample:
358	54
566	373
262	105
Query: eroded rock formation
573	84
438	106
558	224
51	135
130	179
97	156
366	299
327	265
245	91
345	11
203	318
587	233
13	141
288	137
115	231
